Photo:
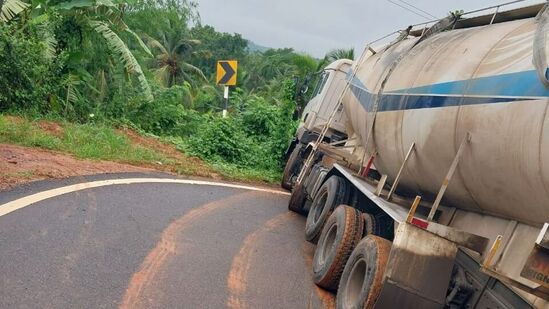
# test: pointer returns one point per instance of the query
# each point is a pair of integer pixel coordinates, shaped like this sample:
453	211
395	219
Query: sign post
226	99
226	76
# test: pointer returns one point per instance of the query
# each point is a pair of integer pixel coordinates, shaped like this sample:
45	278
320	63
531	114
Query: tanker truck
439	197
315	115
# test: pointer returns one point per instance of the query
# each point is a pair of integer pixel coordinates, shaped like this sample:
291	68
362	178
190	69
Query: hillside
253	47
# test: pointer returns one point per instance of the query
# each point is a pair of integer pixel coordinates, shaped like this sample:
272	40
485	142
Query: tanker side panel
356	95
479	80
517	190
544	151
425	63
363	91
434	129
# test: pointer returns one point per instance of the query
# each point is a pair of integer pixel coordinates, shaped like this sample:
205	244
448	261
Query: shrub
254	136
167	114
30	76
220	139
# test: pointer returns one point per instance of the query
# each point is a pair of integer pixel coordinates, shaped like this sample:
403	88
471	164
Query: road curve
153	244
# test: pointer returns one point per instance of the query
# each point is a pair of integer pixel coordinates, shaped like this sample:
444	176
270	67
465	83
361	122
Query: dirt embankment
22	164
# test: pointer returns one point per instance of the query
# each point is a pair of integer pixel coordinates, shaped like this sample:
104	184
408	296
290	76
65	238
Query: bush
253	137
166	115
26	71
220	139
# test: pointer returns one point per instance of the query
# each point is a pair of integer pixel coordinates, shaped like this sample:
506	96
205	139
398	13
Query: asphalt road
154	245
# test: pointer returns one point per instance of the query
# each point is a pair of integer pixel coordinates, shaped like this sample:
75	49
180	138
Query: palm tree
171	65
341	53
336	54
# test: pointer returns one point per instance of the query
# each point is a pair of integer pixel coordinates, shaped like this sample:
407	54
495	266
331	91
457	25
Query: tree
171	65
216	46
275	65
336	54
10	8
85	18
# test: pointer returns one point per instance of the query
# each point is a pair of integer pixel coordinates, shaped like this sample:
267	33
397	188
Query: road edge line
23	202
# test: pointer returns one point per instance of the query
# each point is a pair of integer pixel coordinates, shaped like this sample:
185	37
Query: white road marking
38	197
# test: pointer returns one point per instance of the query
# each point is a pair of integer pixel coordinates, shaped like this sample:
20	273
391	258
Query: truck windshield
321	83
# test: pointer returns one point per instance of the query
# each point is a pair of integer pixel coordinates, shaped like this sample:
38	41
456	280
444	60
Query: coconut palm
336	54
171	63
341	53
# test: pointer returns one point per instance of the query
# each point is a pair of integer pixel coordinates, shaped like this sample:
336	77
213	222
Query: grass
237	173
103	142
96	142
25	174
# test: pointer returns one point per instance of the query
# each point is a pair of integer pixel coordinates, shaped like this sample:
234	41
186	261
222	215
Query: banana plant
10	8
104	17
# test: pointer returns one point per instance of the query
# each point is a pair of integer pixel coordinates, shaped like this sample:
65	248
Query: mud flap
418	271
537	265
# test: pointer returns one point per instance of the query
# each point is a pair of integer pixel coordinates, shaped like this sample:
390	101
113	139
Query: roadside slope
36	150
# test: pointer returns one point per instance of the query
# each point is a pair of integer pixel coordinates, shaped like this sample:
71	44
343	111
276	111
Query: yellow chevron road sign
226	72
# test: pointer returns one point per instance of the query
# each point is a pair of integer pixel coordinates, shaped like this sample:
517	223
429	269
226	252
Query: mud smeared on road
238	276
328	299
166	248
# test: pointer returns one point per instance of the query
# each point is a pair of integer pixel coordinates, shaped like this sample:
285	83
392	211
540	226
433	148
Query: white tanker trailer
457	116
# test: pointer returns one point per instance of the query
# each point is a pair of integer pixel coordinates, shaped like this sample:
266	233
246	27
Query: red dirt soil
51	127
19	165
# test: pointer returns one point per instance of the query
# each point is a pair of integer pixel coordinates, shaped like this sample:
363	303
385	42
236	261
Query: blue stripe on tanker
503	88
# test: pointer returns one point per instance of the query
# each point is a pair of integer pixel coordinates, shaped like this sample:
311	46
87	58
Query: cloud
317	26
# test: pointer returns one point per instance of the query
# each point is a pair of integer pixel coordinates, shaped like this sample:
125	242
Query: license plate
537	266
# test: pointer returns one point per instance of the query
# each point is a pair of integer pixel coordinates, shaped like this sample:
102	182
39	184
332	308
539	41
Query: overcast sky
317	26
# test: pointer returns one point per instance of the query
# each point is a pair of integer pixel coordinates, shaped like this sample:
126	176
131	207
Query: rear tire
361	281
292	168
334	192
379	225
369	224
298	200
341	233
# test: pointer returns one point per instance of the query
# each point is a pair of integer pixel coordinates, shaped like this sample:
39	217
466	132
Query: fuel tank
433	93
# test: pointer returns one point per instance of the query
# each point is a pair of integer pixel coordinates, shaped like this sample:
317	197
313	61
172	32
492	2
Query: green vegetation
149	64
90	141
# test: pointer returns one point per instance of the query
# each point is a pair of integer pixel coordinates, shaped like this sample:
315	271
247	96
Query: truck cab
325	98
316	114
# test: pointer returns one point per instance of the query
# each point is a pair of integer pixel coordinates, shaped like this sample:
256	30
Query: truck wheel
369	224
298	200
361	281
292	168
380	225
334	192
341	233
